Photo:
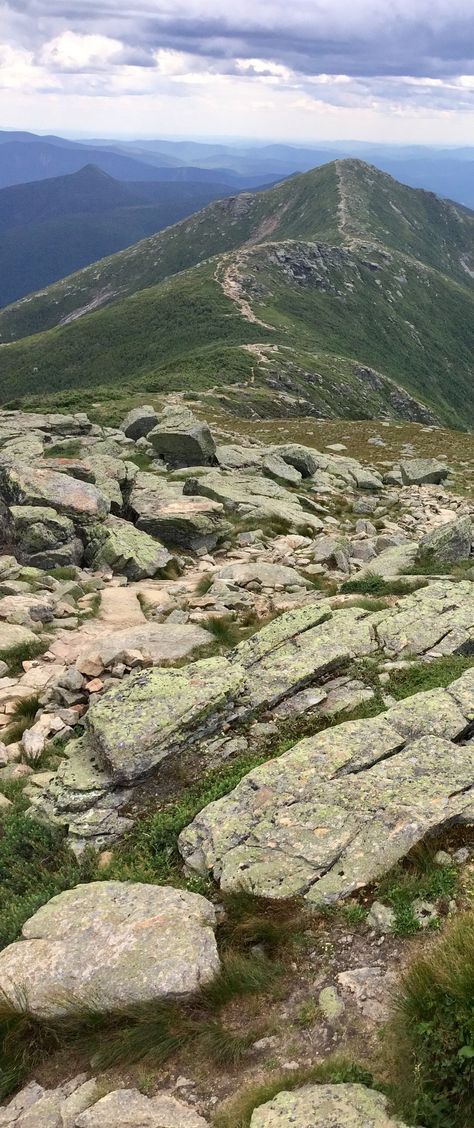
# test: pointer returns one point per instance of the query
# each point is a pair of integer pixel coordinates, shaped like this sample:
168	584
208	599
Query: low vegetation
14	656
432	1033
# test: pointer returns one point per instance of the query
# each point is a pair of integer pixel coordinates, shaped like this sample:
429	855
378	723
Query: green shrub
373	584
433	1032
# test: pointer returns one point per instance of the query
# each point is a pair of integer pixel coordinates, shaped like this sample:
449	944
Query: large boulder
160	644
108	946
326	1106
128	551
22	484
423	471
305	460
44	538
251	495
449	543
139	422
341	808
268	575
182	440
156	713
128	1108
12	636
162	511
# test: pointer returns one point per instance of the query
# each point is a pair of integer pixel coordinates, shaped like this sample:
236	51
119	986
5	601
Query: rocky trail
233	674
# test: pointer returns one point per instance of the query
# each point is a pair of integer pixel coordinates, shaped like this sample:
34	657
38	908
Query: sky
300	70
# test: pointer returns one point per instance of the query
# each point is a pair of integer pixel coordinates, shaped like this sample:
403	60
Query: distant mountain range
51	228
339	292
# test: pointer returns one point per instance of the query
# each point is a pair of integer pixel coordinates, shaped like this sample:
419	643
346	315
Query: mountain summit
337	292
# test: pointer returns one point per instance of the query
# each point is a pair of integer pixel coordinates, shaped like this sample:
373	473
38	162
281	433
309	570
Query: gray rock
155	713
305	460
381	917
128	551
110	945
326	1106
181	439
128	1108
162	510
392	562
268	575
421	471
449	543
160	643
332	814
276	467
139	422
32	485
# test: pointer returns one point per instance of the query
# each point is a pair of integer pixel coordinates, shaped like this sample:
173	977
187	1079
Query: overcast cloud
307	69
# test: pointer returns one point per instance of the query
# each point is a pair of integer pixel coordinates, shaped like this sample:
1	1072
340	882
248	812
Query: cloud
406	57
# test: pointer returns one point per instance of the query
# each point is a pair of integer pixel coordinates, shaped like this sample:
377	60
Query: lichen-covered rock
12	636
422	471
22	484
155	713
139	422
300	659
128	551
252	495
181	439
392	562
275	467
162	510
159	643
438	619
128	1108
449	543
326	1106
268	575
332	814
110	945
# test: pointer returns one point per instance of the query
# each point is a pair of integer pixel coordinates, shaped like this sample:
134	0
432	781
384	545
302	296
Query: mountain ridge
337	272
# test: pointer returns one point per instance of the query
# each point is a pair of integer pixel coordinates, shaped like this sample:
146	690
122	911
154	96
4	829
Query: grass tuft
373	584
14	656
432	1033
224	628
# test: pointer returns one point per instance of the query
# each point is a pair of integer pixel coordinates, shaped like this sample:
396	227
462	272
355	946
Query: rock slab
109	946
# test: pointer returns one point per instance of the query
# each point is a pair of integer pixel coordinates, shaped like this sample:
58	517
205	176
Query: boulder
159	643
110	945
335	812
423	471
326	1106
139	422
392	562
182	440
435	620
22	484
38	529
268	575
162	511
36	1107
275	467
232	457
128	551
156	713
12	636
251	495
128	1108
449	543
305	460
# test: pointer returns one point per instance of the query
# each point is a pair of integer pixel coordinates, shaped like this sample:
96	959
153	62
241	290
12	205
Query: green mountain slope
307	304
53	227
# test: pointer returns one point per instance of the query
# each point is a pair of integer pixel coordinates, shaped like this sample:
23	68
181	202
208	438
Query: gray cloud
415	37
